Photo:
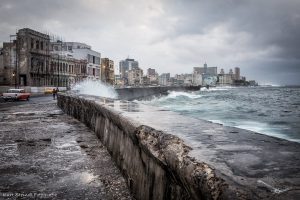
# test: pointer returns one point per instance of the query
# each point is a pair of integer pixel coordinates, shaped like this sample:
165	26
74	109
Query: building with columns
35	59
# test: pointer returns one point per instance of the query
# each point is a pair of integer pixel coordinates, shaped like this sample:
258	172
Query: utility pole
59	50
14	60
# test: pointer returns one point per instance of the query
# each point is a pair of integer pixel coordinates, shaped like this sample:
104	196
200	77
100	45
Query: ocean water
273	111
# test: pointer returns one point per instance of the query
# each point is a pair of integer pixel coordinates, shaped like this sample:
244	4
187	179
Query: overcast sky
262	37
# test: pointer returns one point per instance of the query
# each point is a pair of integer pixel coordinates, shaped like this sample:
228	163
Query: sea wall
142	92
155	164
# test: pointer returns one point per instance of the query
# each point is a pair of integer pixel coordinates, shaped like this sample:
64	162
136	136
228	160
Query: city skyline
262	38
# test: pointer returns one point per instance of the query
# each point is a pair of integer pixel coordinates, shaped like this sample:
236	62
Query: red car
16	94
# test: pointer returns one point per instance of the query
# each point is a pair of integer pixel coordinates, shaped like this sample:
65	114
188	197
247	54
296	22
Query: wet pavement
46	154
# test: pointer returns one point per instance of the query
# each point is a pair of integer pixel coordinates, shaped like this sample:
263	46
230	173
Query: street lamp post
15	77
59	50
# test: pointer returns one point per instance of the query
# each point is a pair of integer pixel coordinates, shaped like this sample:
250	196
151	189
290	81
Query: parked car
16	94
48	90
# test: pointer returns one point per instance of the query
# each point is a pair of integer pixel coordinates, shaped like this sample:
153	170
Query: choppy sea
273	111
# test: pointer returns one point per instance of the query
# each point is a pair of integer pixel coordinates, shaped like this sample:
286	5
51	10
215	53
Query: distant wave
191	95
270	85
217	89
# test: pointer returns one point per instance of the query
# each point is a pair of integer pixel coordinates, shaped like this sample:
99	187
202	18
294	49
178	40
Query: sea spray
95	88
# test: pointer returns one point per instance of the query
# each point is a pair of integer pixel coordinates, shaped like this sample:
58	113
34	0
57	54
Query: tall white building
83	51
197	76
164	79
225	79
188	79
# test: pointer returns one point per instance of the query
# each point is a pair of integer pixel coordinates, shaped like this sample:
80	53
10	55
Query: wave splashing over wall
95	88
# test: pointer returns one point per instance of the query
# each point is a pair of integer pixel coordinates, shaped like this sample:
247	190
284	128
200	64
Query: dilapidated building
107	71
35	59
8	63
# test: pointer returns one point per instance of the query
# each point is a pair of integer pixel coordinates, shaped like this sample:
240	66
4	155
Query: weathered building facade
1	66
81	51
34	59
135	76
66	71
8	64
107	71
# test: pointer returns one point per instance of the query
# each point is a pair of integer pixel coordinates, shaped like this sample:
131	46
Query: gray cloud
262	37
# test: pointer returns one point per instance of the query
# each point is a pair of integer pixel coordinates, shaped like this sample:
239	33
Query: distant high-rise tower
237	73
126	65
222	71
151	72
205	68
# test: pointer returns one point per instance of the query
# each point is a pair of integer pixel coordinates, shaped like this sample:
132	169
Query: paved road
45	154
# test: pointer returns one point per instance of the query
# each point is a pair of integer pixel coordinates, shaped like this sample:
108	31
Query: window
42	45
90	58
47	67
32	63
32	43
37	44
42	66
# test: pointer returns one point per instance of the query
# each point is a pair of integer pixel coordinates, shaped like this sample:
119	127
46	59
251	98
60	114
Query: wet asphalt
46	154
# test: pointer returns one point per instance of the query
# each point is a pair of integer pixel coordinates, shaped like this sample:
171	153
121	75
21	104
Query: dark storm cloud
174	35
269	22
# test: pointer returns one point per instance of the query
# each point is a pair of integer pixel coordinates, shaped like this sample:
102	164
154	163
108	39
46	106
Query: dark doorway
23	80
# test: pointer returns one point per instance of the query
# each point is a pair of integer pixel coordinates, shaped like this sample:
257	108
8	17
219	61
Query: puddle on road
31	146
84	178
27	113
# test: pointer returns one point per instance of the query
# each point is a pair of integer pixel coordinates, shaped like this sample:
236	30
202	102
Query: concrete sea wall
142	92
155	164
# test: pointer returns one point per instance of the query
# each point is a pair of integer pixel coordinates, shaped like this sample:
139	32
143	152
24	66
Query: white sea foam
190	95
216	121
269	85
95	88
222	88
265	129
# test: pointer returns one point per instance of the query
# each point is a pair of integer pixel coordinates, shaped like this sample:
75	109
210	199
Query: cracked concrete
45	154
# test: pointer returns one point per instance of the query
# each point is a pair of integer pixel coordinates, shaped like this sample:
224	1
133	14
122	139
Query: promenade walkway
46	154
